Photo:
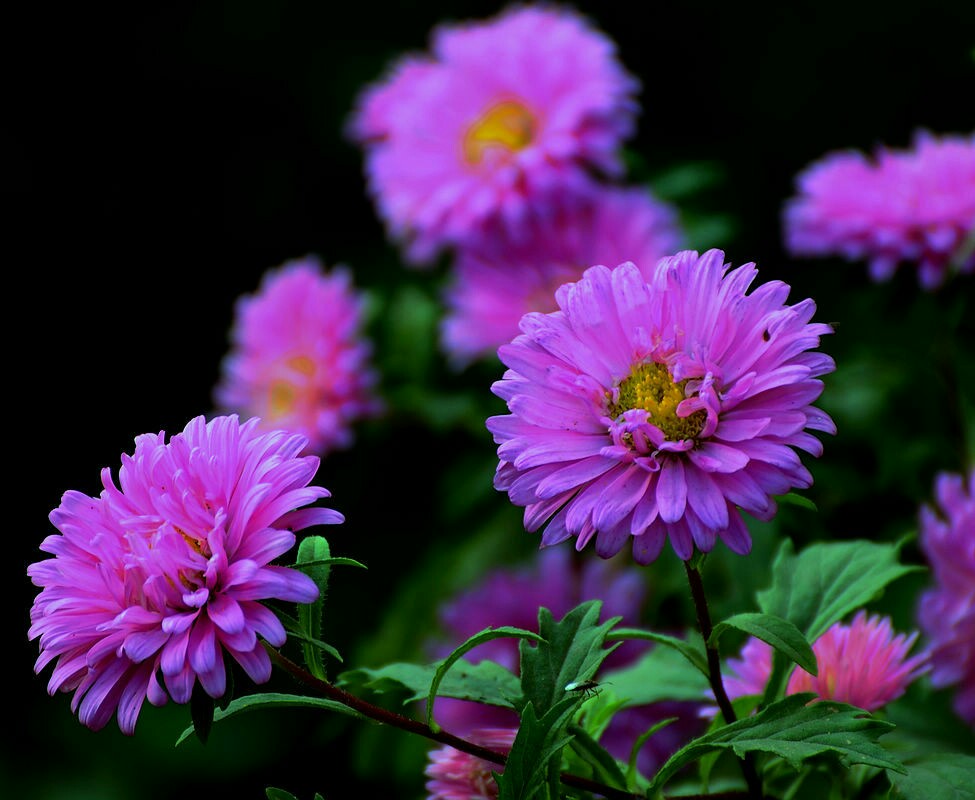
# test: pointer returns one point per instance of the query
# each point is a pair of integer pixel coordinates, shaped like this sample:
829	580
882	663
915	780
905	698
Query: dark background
159	160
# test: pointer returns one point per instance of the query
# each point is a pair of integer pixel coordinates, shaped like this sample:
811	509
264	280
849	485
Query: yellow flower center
650	387
281	399
507	125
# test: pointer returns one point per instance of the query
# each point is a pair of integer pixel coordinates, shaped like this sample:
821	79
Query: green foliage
484	682
313	555
693	652
281	794
785	637
661	674
936	776
795	732
480	638
257	702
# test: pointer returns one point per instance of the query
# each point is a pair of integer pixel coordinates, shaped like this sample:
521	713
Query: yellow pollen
281	400
302	364
508	125
650	387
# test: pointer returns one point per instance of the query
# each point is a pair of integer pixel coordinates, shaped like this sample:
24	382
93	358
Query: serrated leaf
313	553
487	635
795	732
536	747
258	702
691	652
938	776
485	682
785	637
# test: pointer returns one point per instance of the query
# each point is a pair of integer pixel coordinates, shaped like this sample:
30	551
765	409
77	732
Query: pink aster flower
499	278
915	205
157	579
456	775
557	581
647	409
946	610
298	360
863	664
502	115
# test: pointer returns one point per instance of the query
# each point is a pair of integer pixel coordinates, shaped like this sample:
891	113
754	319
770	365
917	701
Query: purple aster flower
915	205
555	580
864	664
153	582
502	115
647	409
946	610
298	360
499	278
456	775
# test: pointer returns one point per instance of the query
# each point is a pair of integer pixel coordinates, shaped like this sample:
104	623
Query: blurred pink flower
499	278
165	576
647	409
946	610
456	775
298	360
915	205
503	115
863	664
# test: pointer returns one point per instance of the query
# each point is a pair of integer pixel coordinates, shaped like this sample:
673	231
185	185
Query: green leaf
938	776
331	561
827	581
692	652
785	637
278	794
604	766
313	553
535	751
795	732
256	702
297	633
794	499
571	651
487	635
632	773
484	682
661	674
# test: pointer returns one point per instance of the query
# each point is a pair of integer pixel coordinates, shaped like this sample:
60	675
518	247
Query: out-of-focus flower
498	279
503	115
456	775
864	664
163	577
643	409
946	610
915	205
298	360
512	596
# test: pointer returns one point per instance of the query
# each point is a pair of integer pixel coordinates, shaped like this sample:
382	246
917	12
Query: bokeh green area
164	157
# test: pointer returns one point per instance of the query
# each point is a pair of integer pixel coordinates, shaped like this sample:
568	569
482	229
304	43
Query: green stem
714	673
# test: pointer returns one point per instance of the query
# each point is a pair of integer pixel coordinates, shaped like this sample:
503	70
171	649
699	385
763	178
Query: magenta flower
153	583
946	610
502	115
915	205
512	596
456	775
643	409
298	360
863	664
498	278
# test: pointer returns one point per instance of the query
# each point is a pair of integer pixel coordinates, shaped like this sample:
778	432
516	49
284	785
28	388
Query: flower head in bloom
499	278
157	579
501	115
946	610
456	775
644	409
863	664
555	580
915	206
297	360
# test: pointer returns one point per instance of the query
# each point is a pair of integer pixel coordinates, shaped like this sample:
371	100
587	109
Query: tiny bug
589	688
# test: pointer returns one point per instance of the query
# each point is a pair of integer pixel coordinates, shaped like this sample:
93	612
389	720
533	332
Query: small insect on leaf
589	688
